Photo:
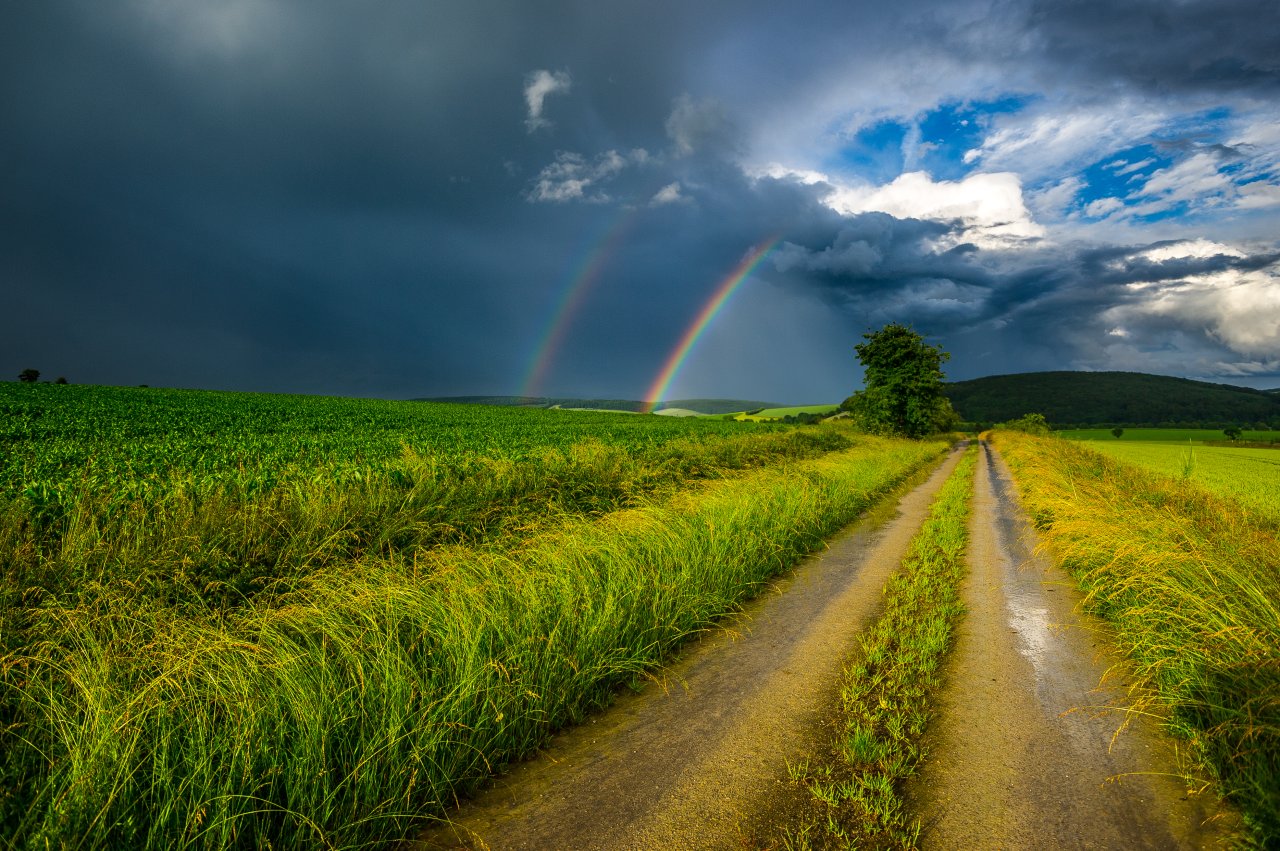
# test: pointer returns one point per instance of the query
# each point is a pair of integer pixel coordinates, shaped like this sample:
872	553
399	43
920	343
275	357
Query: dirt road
693	762
1021	750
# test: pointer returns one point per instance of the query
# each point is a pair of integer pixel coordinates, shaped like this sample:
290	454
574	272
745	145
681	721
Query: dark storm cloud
1041	307
1161	47
325	188
351	198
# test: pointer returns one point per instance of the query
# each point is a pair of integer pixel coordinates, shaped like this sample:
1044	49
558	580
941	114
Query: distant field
1251	476
779	413
1166	435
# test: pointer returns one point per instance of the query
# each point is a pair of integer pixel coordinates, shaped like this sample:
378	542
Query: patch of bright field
1167	435
1251	476
779	413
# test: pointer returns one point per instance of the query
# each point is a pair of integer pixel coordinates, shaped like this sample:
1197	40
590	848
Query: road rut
1023	751
691	762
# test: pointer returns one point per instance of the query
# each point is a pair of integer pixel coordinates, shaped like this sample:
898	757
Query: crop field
199	495
1191	584
1251	476
252	621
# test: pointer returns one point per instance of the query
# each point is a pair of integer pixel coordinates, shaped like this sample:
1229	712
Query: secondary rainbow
708	312
584	276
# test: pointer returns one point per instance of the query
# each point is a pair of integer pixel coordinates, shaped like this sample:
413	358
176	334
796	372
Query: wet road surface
1023	748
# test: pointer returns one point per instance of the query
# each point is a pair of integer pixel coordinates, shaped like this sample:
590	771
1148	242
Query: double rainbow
709	311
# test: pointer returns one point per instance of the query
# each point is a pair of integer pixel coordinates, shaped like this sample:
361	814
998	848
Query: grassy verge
855	794
1191	583
372	693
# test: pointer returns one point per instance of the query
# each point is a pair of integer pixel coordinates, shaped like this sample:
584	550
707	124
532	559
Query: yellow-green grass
369	694
1191	583
855	797
1167	435
1251	476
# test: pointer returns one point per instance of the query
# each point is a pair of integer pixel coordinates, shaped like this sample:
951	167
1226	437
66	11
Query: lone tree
903	377
29	376
1117	432
1232	433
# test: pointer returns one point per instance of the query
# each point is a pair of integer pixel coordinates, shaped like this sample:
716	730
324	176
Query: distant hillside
702	406
1120	398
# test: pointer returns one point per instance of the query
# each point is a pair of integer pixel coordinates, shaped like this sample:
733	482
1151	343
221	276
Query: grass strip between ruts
855	796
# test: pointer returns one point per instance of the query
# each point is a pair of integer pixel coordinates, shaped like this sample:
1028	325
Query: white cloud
1190	248
1195	179
778	171
1042	145
1132	167
1258	194
1238	309
538	85
1054	201
572	177
989	206
1103	207
668	194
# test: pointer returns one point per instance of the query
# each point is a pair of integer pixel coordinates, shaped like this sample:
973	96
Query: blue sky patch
1121	174
935	142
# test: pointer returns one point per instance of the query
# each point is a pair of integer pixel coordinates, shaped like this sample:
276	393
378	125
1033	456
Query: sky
407	199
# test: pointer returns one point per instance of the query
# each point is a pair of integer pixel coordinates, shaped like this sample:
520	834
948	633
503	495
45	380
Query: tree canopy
903	384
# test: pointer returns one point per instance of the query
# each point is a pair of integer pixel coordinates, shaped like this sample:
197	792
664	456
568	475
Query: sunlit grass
370	693
1191	583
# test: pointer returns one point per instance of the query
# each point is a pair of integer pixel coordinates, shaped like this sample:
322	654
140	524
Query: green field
770	414
1167	435
1251	476
237	620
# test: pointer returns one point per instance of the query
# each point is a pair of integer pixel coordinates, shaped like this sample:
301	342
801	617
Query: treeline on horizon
1107	399
702	406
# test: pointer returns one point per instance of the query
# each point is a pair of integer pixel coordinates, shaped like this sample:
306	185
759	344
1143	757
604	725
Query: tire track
691	761
1024	750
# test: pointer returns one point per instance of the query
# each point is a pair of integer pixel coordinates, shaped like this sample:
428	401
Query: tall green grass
369	694
855	795
1191	584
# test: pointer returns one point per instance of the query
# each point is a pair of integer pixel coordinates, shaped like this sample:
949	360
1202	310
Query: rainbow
580	281
709	311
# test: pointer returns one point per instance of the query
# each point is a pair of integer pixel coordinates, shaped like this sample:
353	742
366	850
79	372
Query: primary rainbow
580	281
709	310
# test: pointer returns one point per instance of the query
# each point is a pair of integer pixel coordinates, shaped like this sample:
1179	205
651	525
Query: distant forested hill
1112	398
702	406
